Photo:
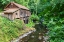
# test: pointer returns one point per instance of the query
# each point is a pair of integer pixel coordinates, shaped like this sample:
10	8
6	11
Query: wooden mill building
16	11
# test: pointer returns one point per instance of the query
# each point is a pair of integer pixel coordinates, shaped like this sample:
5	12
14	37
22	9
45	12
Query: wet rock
40	37
46	28
43	41
32	36
45	38
20	40
46	33
39	33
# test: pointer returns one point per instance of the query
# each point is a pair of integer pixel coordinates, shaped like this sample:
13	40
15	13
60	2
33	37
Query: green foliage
32	20
53	18
35	6
51	14
57	34
3	3
30	24
9	29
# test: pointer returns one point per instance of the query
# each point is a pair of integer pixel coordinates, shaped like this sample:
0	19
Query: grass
30	24
11	29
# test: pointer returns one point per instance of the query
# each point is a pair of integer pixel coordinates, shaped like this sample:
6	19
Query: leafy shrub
34	18
54	20
9	29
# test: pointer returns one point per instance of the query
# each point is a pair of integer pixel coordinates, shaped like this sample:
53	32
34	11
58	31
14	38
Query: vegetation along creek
37	36
21	17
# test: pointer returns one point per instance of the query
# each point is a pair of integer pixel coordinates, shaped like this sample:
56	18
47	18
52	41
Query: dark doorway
26	21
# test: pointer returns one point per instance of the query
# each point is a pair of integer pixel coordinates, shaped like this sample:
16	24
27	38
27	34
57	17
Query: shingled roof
10	10
19	6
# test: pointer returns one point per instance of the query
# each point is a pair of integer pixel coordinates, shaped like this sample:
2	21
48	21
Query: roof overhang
10	11
18	5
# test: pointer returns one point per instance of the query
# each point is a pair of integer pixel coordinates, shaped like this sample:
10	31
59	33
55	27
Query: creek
37	36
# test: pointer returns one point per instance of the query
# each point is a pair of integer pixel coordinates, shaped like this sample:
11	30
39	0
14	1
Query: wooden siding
16	14
10	16
21	13
24	13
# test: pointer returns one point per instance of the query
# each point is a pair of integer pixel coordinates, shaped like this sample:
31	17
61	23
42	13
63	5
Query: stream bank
38	35
23	36
25	33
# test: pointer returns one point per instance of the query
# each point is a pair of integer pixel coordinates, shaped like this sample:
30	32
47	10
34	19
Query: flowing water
38	36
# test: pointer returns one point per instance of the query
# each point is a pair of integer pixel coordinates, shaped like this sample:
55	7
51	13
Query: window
26	14
26	21
21	14
16	13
